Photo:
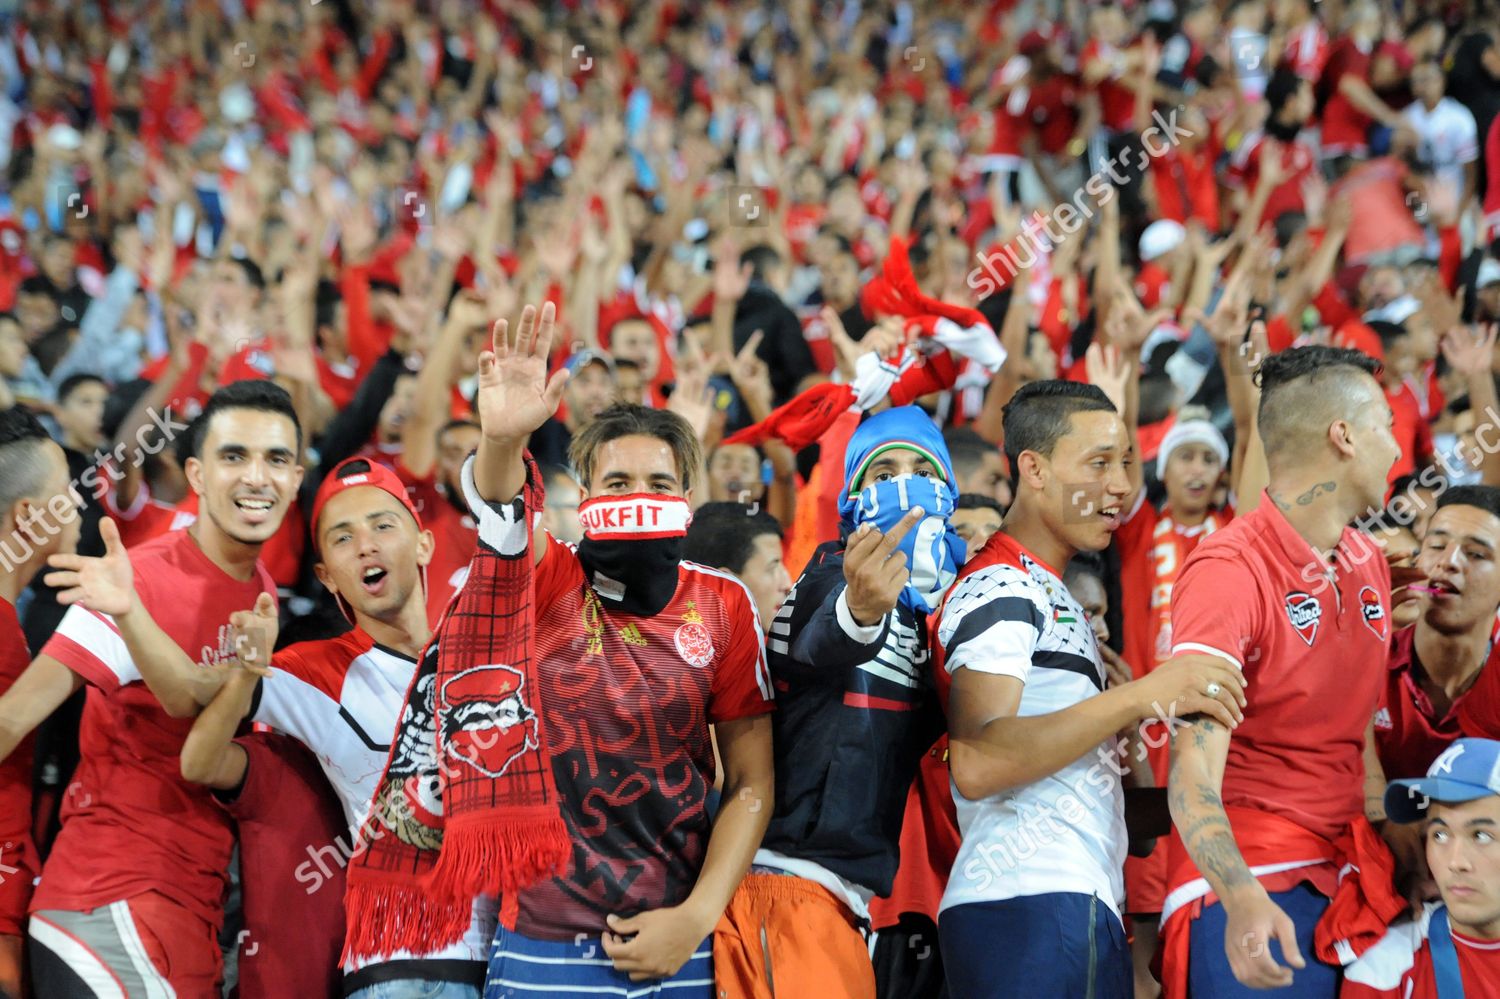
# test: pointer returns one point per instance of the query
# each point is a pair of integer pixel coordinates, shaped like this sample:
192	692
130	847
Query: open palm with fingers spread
515	396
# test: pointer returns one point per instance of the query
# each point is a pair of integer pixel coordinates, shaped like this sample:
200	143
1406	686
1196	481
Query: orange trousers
786	936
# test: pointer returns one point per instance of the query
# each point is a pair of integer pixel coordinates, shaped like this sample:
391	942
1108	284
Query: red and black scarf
467	804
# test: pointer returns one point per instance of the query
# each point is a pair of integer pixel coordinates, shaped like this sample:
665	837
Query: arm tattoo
1218	857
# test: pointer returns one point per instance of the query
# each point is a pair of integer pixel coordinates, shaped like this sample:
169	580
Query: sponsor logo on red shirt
1304	611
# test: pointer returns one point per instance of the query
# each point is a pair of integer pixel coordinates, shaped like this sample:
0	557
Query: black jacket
852	721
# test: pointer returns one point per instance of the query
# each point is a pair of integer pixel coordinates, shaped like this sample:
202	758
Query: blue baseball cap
585	357
1466	771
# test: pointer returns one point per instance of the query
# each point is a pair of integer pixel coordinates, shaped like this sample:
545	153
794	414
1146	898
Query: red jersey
1116	101
1399	966
1153	549
1313	650
144	519
1412	432
1307	50
629	701
455	539
1297	160
1053	110
1186	186
17	854
130	823
293	934
1408	734
1345	126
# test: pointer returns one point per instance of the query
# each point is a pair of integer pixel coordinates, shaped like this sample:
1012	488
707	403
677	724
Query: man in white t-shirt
1036	780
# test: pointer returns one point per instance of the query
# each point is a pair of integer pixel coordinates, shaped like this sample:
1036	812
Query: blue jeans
416	988
1209	974
1062	944
524	968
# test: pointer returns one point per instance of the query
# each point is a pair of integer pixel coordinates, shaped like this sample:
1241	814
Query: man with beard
130	894
1032	727
635	653
1267	811
341	698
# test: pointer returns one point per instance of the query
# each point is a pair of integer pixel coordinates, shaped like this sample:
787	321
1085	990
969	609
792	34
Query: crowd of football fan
1100	272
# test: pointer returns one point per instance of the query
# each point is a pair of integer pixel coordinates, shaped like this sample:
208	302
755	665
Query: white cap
1399	310
1161	236
1489	272
1190	432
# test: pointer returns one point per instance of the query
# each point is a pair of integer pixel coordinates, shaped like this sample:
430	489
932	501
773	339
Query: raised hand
254	634
875	573
1469	353
1108	368
104	584
731	278
515	396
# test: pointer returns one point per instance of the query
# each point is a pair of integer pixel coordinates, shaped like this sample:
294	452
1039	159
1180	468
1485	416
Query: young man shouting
1031	726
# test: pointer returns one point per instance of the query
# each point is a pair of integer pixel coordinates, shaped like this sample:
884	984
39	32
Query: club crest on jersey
1304	611
486	720
694	644
1373	611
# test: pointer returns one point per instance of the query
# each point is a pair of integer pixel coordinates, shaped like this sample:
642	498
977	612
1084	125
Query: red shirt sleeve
742	682
1210	612
364	342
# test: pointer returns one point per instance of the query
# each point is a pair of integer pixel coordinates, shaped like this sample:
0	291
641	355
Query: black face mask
631	549
637	577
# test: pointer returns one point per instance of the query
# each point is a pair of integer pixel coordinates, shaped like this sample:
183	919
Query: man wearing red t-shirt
132	890
1438	685
341	698
1301	601
1451	948
33	492
1351	105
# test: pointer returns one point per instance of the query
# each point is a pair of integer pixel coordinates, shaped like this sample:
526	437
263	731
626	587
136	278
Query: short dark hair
257	394
1084	564
1299	387
1281	88
1288	224
72	382
23	465
251	270
1486	498
455	423
624	419
978	501
761	259
1040	413
1390	333
966	449
722	535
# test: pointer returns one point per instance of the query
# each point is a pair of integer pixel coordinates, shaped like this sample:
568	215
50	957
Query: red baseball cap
351	474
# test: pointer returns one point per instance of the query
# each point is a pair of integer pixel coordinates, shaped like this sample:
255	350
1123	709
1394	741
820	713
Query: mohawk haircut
1304	389
23	457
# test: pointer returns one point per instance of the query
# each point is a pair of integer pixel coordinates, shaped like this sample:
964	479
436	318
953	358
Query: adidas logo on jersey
631	635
